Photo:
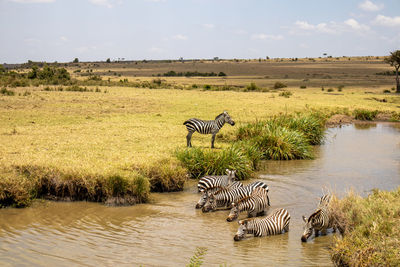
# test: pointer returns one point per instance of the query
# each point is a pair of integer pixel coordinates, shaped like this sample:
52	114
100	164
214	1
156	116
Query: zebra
205	194
211	181
207	127
225	197
320	220
256	205
275	223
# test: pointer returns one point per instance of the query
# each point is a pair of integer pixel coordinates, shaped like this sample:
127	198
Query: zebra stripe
205	194
320	220
256	204
207	127
225	197
211	181
275	223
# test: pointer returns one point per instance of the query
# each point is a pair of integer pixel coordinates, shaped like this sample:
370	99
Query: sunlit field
111	130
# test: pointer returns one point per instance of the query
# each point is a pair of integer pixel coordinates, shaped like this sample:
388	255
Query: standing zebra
257	204
206	127
275	223
321	220
225	197
211	181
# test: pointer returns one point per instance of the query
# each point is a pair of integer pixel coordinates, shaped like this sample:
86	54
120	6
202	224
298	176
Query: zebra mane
243	199
318	211
220	115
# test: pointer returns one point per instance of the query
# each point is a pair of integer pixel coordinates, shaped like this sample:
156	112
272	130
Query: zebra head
309	225
227	118
234	213
202	201
211	205
242	230
231	175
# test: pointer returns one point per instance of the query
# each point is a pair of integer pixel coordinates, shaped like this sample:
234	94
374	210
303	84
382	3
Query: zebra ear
304	218
228	171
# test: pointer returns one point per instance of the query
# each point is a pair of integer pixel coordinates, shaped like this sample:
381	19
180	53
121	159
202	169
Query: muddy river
167	231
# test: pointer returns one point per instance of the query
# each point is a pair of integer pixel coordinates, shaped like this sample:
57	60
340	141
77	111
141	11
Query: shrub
365	115
221	73
279	85
207	87
386	91
252	87
303	86
286	94
330	90
5	91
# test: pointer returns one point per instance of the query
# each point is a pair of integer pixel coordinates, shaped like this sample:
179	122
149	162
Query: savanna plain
112	133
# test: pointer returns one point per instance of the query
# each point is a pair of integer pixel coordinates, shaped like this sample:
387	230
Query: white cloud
330	28
63	38
105	3
262	36
209	26
179	37
32	1
387	21
370	6
355	25
156	1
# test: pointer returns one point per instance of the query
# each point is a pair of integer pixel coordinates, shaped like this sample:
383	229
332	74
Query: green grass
372	236
364	114
200	162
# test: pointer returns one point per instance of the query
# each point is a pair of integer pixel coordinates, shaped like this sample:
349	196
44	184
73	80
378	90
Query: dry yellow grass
103	131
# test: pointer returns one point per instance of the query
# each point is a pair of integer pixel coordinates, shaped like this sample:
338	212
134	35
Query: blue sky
60	30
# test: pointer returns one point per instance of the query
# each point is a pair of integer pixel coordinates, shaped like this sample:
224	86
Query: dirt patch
339	119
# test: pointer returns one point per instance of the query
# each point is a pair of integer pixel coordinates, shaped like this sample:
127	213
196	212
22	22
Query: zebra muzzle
303	238
237	238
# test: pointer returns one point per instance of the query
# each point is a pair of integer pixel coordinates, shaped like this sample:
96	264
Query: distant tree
76	60
394	60
108	60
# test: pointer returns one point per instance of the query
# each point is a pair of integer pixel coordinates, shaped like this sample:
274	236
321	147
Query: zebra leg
189	139
212	140
286	228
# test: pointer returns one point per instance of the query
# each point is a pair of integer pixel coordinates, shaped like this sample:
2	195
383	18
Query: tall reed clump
372	236
21	184
200	162
285	137
281	143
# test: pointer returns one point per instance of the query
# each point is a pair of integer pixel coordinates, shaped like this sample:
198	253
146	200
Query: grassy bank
372	236
86	134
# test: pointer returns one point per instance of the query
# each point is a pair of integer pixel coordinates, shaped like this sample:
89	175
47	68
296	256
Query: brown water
167	231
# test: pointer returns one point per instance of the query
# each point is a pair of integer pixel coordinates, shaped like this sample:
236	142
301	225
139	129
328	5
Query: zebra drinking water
320	220
275	223
206	193
206	127
225	197
212	181
257	204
